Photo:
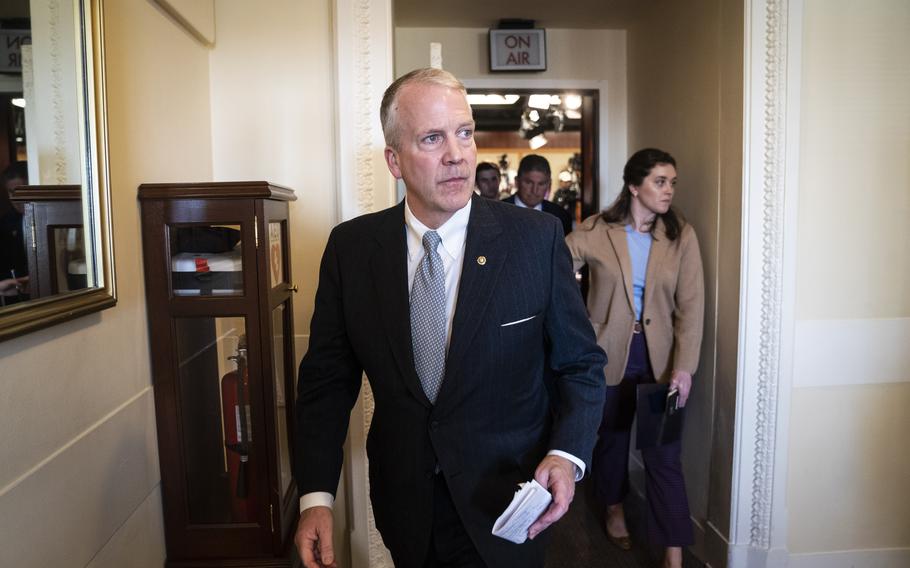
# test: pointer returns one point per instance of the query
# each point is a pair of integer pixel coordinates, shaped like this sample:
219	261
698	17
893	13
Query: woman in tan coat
646	303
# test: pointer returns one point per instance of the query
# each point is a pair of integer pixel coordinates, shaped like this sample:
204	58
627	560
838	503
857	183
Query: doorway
558	124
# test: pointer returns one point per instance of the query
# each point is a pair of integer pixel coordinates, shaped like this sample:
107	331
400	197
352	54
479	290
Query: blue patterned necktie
428	317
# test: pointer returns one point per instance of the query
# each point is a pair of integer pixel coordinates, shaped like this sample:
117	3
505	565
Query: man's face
488	183
533	187
8	190
436	156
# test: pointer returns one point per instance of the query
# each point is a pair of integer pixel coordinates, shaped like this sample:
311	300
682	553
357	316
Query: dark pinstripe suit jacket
494	419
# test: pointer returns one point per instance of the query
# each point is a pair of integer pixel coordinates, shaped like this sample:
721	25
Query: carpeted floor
578	539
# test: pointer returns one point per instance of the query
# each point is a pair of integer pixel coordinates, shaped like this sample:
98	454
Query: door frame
608	166
588	145
758	529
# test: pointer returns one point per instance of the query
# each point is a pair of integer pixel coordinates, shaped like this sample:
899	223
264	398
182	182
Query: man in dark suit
455	307
532	184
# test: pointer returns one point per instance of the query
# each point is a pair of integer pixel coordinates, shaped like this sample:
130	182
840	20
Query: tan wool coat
674	298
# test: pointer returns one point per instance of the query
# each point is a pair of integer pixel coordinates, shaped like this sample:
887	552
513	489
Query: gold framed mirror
56	262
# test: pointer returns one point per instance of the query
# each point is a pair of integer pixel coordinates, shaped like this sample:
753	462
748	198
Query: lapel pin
481	260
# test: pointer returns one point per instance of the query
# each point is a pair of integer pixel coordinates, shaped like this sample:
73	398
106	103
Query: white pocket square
516	322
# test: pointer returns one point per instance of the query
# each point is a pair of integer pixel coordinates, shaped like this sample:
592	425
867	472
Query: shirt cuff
579	465
316	499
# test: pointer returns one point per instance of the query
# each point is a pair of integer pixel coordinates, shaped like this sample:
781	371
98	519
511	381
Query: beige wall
848	468
79	476
464	53
685	96
273	119
854	198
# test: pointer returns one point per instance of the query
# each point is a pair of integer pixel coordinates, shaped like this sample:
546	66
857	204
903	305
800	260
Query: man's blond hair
388	111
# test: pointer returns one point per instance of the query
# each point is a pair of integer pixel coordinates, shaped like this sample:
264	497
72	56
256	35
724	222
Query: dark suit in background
549	207
493	421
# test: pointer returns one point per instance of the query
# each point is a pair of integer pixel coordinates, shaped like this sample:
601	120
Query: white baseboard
747	556
866	558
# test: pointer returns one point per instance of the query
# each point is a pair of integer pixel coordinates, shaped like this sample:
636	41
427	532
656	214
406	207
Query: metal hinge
34	234
256	229
272	516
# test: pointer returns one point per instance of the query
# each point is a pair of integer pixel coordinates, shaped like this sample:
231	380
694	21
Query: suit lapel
617	235
389	267
484	257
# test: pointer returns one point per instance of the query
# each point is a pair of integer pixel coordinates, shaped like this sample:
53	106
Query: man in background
13	261
532	185
487	180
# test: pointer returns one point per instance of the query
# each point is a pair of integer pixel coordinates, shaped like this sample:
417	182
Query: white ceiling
585	14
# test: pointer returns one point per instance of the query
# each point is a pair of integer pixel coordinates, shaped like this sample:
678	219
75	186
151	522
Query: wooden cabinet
219	292
53	238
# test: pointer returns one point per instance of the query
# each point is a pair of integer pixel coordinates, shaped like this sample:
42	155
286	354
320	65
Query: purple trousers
669	522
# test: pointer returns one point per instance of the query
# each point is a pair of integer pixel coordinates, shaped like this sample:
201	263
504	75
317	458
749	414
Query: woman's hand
682	381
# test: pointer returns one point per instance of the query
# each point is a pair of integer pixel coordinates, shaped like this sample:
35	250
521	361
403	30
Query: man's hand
557	475
682	381
314	538
14	286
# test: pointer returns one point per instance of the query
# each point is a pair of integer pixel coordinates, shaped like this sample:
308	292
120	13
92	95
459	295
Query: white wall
79	479
273	119
603	66
848	468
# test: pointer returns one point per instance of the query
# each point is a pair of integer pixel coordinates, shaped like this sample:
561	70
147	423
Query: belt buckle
636	327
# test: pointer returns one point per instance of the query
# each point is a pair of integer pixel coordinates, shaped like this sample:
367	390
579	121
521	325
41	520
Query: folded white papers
530	501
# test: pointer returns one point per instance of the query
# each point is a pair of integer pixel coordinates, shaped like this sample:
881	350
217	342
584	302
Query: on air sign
518	50
11	42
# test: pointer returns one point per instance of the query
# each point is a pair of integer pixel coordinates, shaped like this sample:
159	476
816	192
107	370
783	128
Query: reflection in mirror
53	241
54	254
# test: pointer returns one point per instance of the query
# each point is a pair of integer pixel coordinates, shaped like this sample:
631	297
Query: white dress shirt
453	234
521	203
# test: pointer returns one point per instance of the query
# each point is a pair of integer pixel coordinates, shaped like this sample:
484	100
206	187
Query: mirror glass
52	213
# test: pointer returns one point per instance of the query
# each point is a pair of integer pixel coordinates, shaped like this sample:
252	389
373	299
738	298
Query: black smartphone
672	402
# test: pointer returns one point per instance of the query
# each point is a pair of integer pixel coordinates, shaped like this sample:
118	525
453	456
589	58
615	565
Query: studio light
538	141
492	99
539	101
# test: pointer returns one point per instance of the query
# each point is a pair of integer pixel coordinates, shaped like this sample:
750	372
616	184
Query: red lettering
524	58
511	41
524	41
512	60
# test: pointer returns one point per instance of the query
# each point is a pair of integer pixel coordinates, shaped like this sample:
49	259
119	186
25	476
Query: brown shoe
623	542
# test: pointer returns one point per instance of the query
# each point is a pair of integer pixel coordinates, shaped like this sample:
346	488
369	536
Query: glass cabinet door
206	260
216	426
282	397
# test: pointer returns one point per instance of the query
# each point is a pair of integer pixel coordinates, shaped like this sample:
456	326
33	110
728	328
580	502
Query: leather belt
636	327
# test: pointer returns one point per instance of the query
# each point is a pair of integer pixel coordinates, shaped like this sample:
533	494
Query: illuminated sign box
518	50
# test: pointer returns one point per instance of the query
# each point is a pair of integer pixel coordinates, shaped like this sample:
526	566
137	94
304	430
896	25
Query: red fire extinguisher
235	397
